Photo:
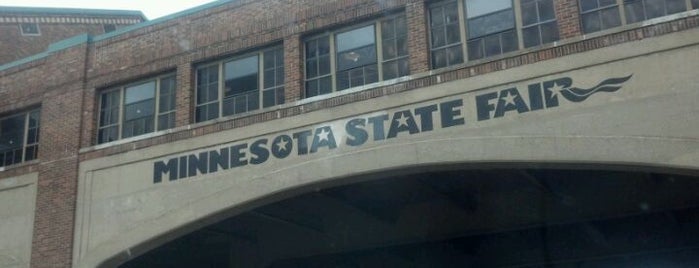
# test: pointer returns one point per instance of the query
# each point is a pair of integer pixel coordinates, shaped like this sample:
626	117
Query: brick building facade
84	96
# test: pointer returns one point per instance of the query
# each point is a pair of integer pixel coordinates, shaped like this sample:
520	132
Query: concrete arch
668	155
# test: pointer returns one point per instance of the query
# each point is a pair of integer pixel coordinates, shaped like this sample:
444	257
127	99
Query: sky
153	9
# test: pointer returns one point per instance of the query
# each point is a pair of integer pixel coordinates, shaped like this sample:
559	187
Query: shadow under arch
393	172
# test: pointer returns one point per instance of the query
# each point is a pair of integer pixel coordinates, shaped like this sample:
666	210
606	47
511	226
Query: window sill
20	165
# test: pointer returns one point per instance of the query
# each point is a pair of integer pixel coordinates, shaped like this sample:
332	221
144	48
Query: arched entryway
527	216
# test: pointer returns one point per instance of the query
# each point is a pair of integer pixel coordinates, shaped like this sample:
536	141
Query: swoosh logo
575	94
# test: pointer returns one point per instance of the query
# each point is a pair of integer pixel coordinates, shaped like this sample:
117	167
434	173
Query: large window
597	15
137	109
477	29
356	56
240	85
19	138
538	22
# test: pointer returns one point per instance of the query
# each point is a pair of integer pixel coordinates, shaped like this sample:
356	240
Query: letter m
160	168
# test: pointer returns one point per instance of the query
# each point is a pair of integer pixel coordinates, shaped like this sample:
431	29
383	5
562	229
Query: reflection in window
491	28
538	22
137	109
354	56
445	42
599	15
19	138
240	85
638	10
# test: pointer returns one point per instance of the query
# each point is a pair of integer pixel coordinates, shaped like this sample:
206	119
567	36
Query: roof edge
71	11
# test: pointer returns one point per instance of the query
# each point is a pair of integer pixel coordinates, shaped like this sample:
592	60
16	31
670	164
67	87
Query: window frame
539	23
21	29
25	146
121	107
465	41
262	87
334	73
621	6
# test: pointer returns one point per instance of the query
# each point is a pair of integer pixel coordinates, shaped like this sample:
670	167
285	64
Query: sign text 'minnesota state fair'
375	128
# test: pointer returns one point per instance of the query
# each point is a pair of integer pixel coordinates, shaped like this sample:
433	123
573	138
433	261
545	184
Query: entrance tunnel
523	217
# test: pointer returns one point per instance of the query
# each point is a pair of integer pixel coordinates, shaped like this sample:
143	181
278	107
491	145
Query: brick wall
67	83
15	46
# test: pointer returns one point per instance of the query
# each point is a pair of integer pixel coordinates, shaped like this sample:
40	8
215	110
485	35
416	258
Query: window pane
455	55
530	36
166	121
12	132
343	80
388	29
167	94
401	26
675	6
695	3
492	45
549	32
139	93
439	58
546	10
241	76
604	3
139	110
389	49
529	14
269	59
311	68
590	22
325	85
439	37
475	8
109	106
402	44
475	49
493	23
586	5
268	98
437	16
280	95
654	8
610	18
390	70
269	78
324	65
634	12
509	41
31	153
107	134
356	48
453	34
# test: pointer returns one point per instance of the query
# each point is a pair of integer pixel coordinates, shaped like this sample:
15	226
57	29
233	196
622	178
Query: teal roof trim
162	19
70	11
60	45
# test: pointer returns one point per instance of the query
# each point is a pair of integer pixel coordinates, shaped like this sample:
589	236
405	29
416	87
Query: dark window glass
490	24
539	22
695	4
638	10
241	76
108	28
19	137
139	109
395	48
445	35
356	57
273	66
166	107
29	28
599	15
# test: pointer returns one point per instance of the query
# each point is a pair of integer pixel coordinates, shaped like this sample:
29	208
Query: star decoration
282	144
509	98
402	120
556	88
323	135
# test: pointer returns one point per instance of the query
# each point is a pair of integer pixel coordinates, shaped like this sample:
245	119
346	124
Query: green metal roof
70	11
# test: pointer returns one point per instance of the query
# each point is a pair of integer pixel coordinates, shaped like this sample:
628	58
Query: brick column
568	18
293	68
184	113
418	46
57	189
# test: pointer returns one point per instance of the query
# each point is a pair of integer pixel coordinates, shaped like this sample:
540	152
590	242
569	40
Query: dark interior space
460	218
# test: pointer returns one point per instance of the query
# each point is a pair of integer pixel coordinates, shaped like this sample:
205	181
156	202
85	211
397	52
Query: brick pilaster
568	18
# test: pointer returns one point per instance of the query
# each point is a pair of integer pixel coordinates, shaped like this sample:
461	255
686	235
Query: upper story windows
358	56
19	138
487	28
597	15
240	85
29	29
137	109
